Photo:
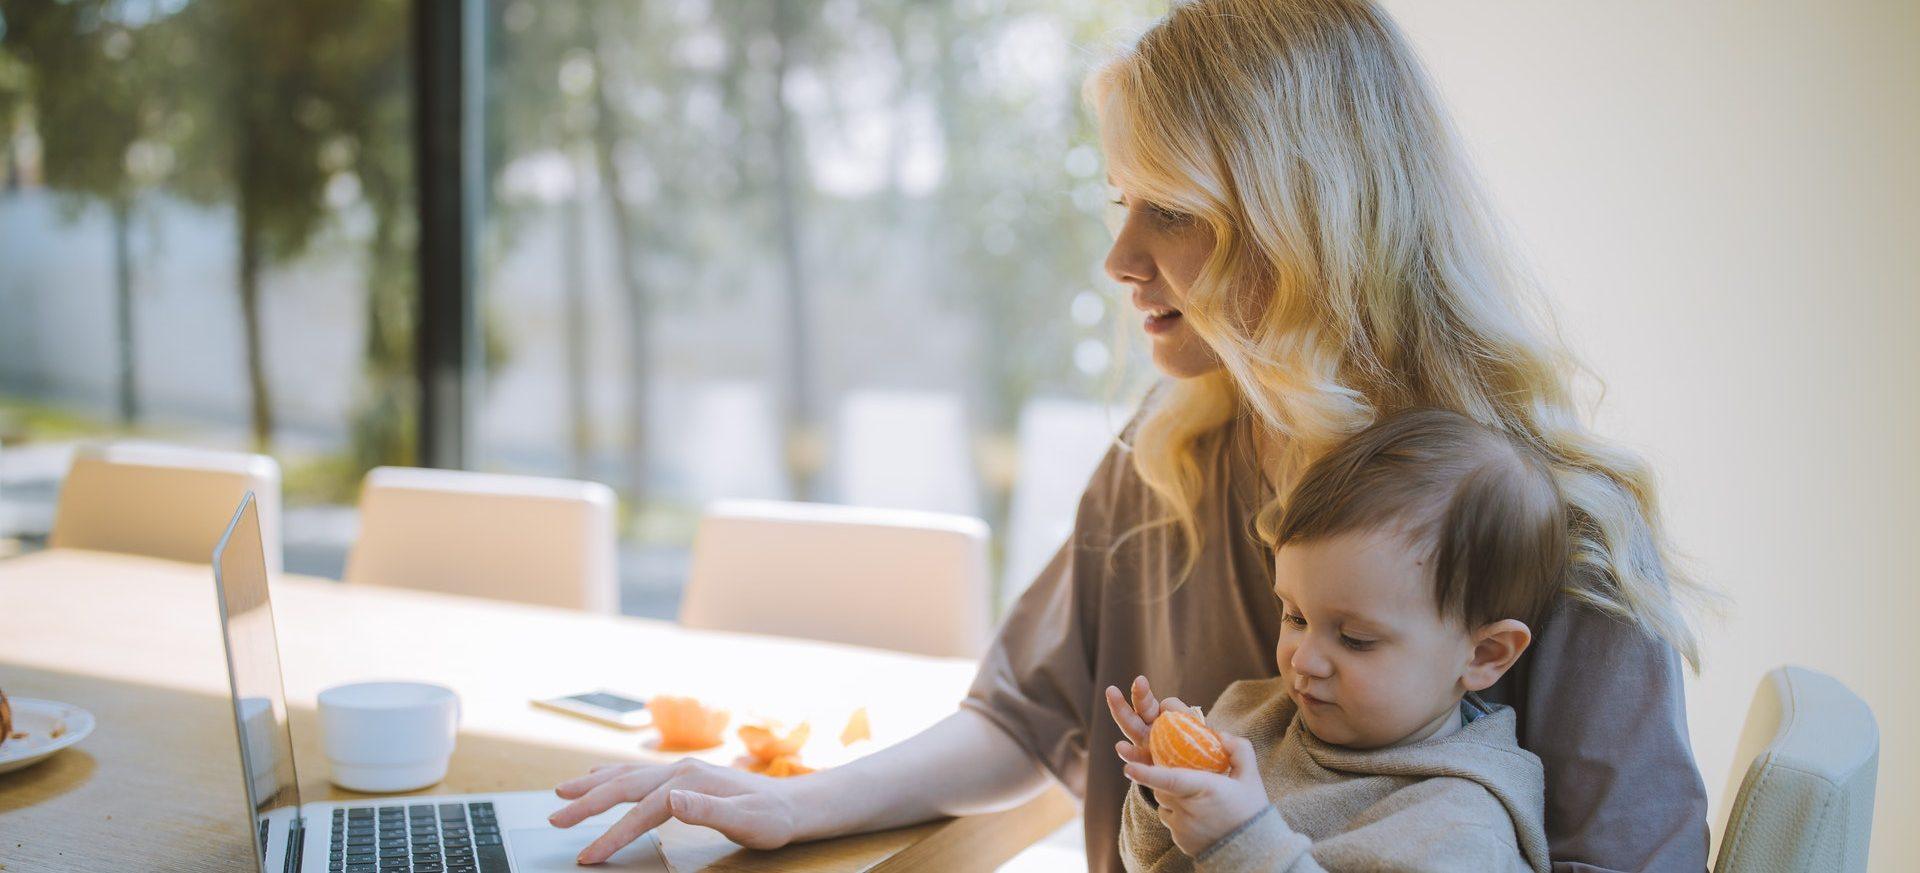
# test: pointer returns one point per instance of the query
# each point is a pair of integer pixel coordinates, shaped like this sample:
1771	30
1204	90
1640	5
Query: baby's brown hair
1482	508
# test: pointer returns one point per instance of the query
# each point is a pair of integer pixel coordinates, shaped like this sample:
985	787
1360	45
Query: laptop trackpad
539	849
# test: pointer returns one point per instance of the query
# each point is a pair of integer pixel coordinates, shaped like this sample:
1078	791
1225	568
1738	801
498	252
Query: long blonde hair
1306	136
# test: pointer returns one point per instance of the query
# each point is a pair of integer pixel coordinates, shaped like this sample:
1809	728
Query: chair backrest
520	538
163	501
892	579
1803	778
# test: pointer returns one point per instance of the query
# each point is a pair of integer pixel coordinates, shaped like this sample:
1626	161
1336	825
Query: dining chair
525	539
893	579
1803	779
162	501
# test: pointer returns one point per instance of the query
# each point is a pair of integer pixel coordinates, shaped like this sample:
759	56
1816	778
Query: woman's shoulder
1226	455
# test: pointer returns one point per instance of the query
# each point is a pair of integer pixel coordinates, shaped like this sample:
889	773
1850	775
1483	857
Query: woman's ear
1495	647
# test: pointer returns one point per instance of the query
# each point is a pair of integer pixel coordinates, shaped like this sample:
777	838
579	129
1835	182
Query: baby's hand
1136	719
1199	807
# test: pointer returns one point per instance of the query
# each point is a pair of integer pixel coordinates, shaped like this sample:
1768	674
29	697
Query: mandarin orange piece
6	718
785	766
686	724
857	728
765	744
1182	739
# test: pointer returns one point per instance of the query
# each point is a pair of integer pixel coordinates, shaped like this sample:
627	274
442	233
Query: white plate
40	720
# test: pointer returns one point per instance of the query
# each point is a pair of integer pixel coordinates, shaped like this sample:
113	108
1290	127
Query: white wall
1722	199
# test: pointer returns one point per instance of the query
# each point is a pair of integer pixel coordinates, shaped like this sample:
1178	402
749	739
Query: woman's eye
1357	645
1170	216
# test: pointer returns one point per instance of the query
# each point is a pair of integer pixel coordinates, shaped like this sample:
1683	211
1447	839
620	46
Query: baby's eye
1295	621
1356	644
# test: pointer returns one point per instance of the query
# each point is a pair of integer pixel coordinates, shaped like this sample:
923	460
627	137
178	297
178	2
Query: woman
1311	251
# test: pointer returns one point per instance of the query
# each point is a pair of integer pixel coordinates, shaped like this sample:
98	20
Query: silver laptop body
470	833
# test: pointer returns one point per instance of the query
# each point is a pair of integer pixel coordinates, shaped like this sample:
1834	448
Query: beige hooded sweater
1471	800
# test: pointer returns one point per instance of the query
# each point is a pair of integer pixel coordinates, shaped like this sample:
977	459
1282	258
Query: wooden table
136	641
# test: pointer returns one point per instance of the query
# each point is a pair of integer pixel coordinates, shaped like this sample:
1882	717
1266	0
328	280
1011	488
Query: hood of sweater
1486	751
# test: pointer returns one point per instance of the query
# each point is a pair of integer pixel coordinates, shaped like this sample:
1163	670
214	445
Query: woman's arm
963	765
960	766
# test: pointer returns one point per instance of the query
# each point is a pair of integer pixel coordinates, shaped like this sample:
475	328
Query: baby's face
1364	651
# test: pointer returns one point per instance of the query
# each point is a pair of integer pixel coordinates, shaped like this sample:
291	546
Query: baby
1411	564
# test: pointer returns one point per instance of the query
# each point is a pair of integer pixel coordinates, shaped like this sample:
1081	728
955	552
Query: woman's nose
1128	262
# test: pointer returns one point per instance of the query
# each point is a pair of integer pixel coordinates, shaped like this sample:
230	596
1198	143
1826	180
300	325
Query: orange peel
686	725
766	744
857	728
781	767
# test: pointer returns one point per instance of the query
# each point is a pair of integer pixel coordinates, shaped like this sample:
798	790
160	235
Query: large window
206	237
819	250
844	250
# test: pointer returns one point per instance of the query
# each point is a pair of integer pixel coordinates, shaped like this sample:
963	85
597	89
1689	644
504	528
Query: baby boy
1411	565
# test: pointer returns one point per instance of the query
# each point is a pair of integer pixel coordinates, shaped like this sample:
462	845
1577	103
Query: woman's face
1157	253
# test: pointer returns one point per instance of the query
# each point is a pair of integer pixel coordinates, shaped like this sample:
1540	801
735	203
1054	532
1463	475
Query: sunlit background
849	251
839	251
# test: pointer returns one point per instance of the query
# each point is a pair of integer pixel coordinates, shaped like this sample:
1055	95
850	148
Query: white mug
383	737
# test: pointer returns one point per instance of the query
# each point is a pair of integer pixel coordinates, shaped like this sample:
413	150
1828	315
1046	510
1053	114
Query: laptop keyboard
420	838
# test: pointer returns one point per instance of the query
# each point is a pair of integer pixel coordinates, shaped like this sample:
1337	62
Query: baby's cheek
1385	695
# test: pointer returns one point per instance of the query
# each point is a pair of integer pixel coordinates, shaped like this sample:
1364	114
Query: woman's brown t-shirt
1599	701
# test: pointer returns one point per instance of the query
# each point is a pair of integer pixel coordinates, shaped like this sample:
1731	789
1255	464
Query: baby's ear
1496	646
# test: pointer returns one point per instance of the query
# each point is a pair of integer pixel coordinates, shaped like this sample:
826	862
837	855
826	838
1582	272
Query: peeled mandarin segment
764	744
1182	739
686	725
857	728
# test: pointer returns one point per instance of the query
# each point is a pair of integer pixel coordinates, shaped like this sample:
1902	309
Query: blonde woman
1310	251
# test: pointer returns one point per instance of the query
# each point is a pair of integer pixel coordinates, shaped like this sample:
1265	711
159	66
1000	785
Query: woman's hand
1199	807
752	810
1136	719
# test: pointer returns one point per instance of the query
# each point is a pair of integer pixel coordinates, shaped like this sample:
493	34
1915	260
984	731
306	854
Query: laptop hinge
296	841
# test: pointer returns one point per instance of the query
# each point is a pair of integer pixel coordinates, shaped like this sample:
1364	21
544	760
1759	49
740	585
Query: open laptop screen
253	662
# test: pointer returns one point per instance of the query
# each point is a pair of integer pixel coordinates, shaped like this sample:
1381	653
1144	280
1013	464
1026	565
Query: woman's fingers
630	785
646	815
573	788
1125	716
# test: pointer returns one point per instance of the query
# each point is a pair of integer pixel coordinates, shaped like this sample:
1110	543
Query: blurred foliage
707	134
705	131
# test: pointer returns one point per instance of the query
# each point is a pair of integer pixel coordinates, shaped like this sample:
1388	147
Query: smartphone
604	707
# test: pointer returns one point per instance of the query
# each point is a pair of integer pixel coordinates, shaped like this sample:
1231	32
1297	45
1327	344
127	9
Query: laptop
469	833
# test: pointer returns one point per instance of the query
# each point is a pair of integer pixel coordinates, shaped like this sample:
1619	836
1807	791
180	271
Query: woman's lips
1162	321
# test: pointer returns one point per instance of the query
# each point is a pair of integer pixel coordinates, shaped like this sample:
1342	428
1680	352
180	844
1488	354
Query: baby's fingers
1240	754
1133	754
1179	782
1144	702
1124	716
